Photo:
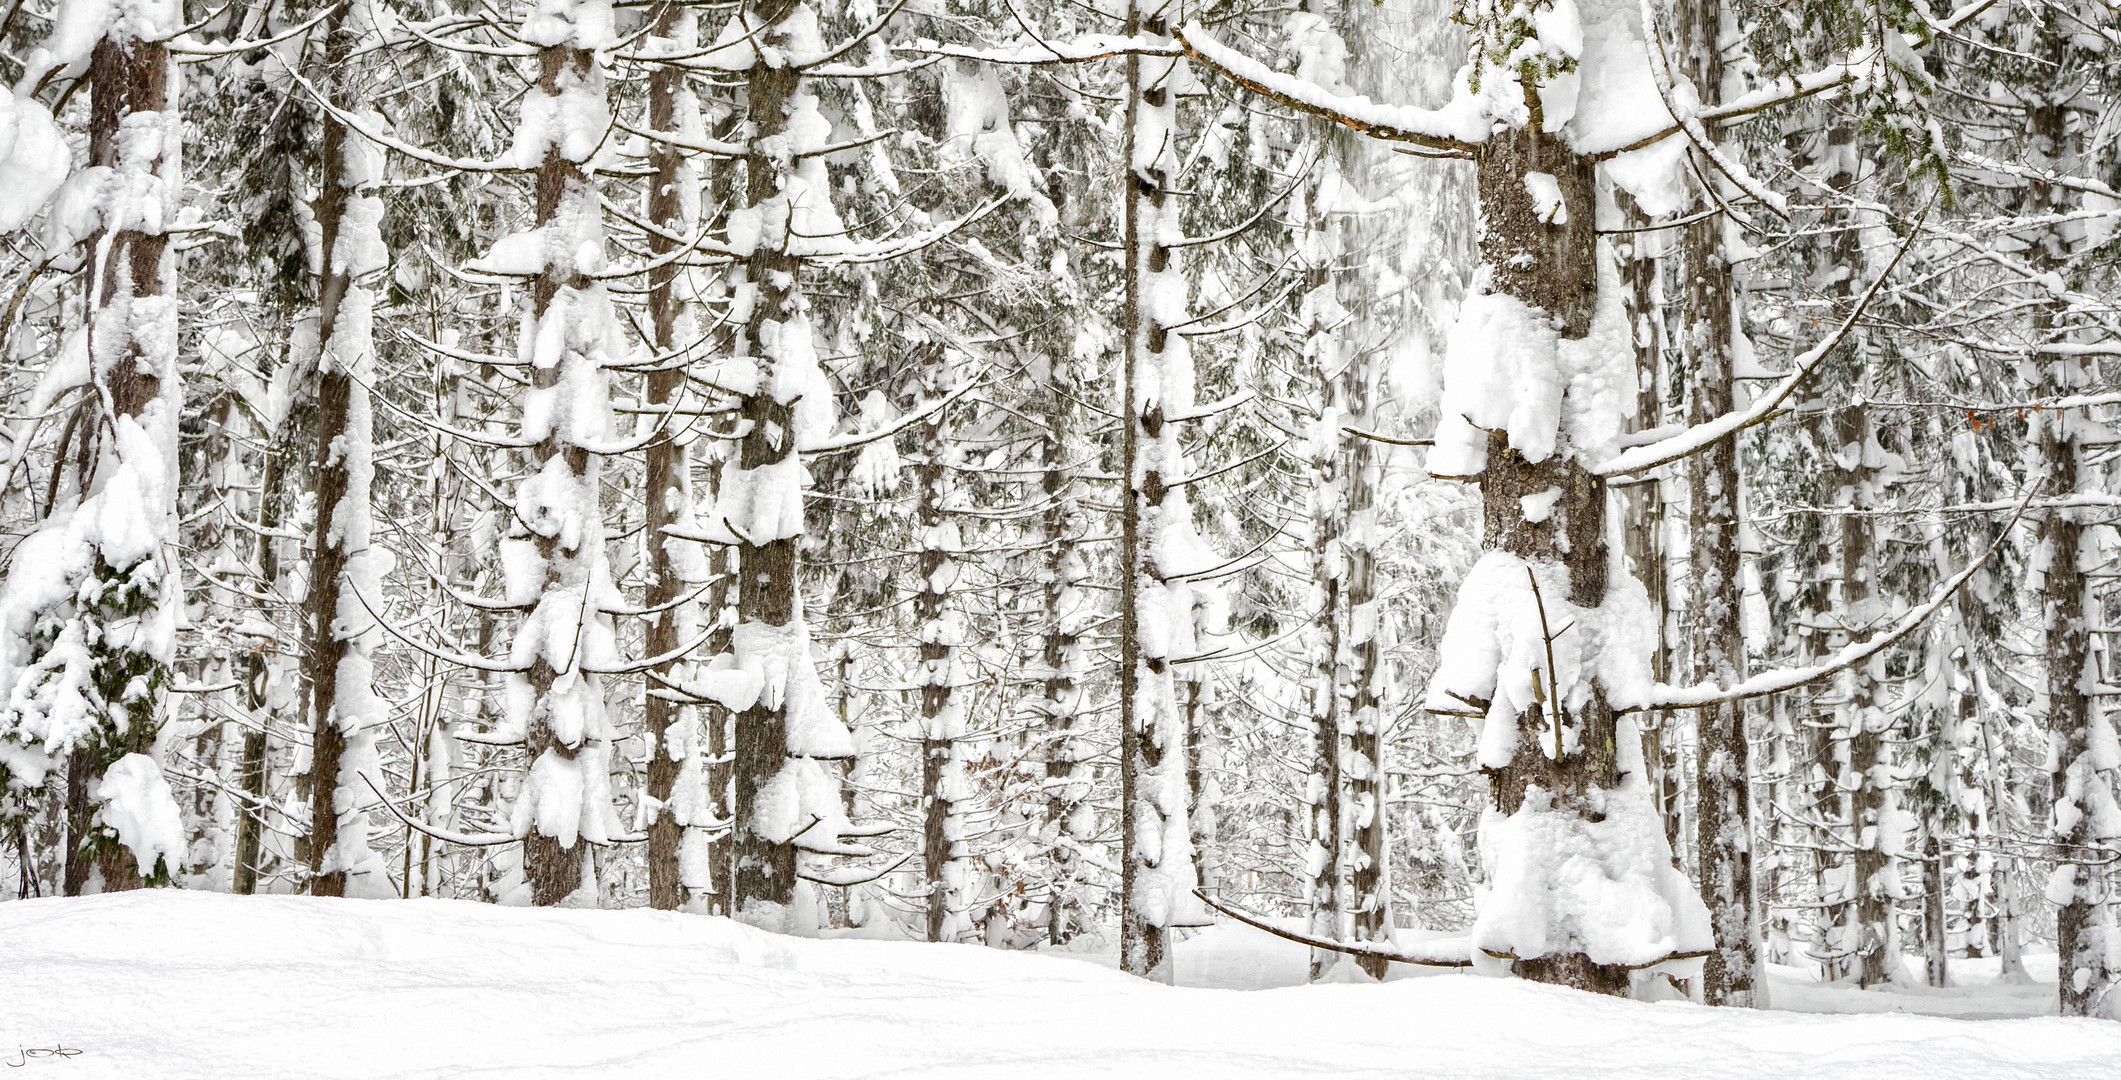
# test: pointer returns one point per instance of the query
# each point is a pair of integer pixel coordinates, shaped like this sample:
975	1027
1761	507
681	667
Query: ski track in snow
182	984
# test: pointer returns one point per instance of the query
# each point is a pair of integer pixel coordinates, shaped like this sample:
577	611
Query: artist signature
28	1054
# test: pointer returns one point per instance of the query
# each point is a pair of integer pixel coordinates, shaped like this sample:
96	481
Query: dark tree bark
766	572
666	482
128	77
2082	792
324	648
552	868
1723	813
1551	266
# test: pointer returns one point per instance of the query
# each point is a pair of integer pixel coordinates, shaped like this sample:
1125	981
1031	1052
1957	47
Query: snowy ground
175	984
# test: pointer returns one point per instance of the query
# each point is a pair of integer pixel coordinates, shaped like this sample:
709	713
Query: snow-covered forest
1615	493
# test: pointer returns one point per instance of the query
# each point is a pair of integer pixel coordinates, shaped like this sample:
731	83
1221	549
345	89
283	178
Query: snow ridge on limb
1076	50
1859	68
1458	126
1691	440
1690	124
1662	696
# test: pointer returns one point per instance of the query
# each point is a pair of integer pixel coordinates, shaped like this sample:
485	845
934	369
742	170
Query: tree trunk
1326	790
1552	266
668	490
1643	526
2079	734
1723	811
132	336
558	512
1067	775
335	658
1156	872
942	719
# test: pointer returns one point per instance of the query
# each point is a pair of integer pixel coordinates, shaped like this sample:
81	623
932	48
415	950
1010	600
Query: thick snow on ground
169	984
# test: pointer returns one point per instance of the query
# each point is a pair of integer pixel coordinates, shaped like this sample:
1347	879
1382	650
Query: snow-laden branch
1700	436
876	251
1213	408
1702	695
2050	177
393	143
476	663
650	663
1457	127
710	147
474	50
868	71
1444	952
863	438
1660	63
183	46
812	65
846	876
1076	50
1860	67
447	836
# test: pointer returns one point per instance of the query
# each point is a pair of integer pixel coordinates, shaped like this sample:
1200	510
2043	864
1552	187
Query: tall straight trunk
1723	809
765	571
1835	786
1864	724
1326	863
1061	653
262	694
1978	868
720	610
1824	791
2079	734
783	735
1642	528
1560	277
338	633
1865	923
558	702
1203	759
1370	890
1156	869
2079	786
942	715
124	603
250	815
1936	933
219	551
668	488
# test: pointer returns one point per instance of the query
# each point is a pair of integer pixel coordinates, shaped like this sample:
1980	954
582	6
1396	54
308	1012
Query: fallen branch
1455	958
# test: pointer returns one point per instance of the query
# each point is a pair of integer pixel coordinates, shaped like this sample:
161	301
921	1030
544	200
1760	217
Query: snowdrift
171	984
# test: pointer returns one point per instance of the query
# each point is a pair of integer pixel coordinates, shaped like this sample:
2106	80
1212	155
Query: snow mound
172	984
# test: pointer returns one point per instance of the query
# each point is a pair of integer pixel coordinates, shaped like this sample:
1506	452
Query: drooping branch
1694	439
1702	695
1457	127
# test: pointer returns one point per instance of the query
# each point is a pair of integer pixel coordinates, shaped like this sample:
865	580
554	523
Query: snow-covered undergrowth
169	984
